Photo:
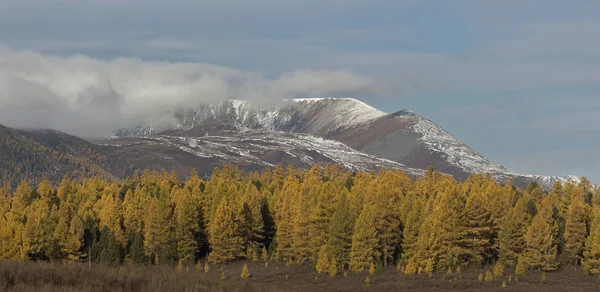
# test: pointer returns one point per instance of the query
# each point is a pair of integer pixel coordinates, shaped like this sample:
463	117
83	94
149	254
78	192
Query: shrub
245	272
489	277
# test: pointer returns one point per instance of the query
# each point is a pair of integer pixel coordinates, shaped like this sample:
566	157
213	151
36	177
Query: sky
519	81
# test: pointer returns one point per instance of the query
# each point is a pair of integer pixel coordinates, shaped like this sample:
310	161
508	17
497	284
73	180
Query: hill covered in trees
328	218
36	154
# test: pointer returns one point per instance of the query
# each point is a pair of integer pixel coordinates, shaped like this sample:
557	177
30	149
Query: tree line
323	216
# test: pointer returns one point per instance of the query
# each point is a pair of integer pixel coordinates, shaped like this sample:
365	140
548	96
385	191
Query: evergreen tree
320	216
323	260
511	237
284	217
136	250
300	228
479	233
110	253
225	242
340	232
245	272
413	223
158	230
68	234
333	268
575	230
364	249
187	228
540	252
591	254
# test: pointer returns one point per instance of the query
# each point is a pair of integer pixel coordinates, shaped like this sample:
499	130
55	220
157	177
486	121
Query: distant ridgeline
326	217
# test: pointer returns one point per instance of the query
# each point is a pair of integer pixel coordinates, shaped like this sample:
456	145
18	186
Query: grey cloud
90	97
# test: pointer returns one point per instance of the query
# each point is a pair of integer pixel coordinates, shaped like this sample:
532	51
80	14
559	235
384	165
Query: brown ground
27	276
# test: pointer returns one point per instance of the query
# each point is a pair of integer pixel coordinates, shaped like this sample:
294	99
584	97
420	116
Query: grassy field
29	276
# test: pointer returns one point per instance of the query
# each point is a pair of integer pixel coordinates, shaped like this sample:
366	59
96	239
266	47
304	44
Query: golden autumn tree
511	237
187	220
479	234
320	215
300	212
110	214
68	234
540	251
365	246
284	216
225	242
413	223
323	260
341	227
576	230
591	254
158	233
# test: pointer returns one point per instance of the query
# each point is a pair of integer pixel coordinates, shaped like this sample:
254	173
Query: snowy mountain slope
403	136
251	149
302	115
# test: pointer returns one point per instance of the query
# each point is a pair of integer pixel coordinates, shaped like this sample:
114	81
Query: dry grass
29	276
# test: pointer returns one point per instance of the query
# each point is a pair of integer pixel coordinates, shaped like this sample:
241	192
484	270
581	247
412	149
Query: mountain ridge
402	136
300	132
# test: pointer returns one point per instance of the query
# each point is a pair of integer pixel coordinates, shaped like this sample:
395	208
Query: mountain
404	137
33	154
250	149
300	132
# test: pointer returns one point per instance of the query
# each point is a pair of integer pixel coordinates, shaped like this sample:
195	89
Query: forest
334	221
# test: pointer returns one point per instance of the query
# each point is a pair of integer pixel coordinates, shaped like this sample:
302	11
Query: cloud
90	97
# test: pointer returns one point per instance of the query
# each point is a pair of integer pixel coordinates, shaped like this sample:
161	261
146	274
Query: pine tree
591	254
414	220
68	234
224	240
333	268
302	250
320	216
540	252
411	267
498	269
384	195
364	241
322	260
110	253
245	272
109	213
576	230
511	237
340	232
450	230
38	236
521	267
479	233
136	250
187	227
284	217
158	234
372	268
264	255
489	277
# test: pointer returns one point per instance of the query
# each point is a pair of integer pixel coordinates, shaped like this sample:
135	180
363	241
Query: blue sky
519	81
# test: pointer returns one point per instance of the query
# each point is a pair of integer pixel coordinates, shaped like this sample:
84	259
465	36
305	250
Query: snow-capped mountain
411	141
251	149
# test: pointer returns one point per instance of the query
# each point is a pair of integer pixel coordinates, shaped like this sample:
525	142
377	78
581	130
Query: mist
90	97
